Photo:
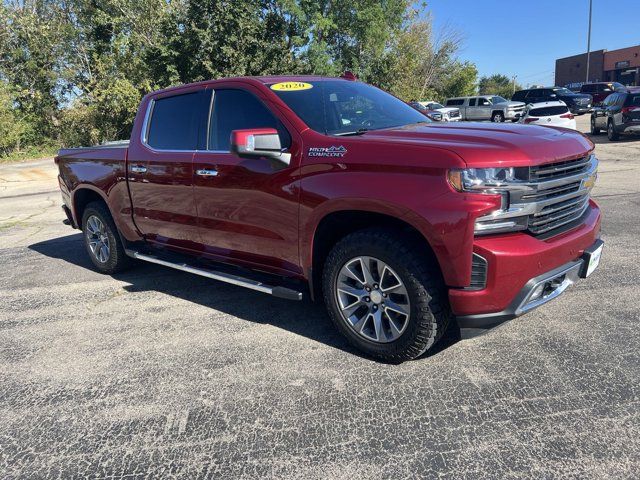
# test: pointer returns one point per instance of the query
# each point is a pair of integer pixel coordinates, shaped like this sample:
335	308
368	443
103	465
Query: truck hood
511	103
490	144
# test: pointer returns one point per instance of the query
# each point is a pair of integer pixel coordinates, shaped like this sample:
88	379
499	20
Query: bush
12	126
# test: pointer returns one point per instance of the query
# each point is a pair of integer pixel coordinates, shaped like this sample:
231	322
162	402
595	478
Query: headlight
494	181
482	180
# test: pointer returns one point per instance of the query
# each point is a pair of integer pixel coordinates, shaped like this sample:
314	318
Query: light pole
589	40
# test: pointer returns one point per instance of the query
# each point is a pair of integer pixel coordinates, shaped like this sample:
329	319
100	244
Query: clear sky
524	37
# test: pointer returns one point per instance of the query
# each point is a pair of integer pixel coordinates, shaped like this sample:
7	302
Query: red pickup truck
334	188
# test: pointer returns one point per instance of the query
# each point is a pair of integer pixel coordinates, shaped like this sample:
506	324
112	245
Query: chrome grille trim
552	202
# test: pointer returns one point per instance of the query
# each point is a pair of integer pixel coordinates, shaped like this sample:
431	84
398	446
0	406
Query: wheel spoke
387	273
348	272
395	330
381	336
394	307
364	261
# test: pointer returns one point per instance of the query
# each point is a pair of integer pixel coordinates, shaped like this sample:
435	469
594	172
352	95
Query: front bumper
517	262
580	109
513	115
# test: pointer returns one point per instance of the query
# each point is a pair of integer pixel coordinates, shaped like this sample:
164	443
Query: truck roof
266	79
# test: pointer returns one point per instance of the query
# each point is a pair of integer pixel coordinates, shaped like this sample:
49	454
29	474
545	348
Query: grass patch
31	153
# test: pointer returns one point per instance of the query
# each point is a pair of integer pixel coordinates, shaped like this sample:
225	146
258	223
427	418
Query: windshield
562	91
435	106
496	99
338	107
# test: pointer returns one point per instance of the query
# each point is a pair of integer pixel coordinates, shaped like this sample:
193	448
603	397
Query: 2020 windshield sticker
332	151
291	86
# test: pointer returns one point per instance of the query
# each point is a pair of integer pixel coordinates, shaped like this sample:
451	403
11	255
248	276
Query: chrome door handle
207	172
138	169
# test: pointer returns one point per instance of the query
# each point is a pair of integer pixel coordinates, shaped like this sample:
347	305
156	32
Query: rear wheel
594	130
102	240
388	300
497	117
611	131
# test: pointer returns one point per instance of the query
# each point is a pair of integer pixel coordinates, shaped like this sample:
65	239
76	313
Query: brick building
621	65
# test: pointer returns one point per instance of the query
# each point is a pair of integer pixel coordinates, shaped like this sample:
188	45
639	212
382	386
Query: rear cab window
455	102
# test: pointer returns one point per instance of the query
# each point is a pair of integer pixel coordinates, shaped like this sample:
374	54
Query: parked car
431	114
601	90
398	223
487	107
578	103
619	114
449	114
549	114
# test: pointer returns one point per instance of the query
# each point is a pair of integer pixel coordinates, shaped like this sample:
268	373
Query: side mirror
258	142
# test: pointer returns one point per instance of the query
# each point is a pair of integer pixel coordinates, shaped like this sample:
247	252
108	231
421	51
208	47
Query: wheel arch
337	224
81	197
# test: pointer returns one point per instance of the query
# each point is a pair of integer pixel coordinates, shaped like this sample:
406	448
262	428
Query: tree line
72	72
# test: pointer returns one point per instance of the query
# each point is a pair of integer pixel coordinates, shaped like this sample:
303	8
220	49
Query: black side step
276	291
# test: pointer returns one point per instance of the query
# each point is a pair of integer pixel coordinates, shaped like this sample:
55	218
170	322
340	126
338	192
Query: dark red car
331	187
601	90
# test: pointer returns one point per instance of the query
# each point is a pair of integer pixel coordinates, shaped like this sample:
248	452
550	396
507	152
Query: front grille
562	204
559	169
558	214
454	113
478	273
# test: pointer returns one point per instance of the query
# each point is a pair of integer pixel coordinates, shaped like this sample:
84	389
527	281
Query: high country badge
332	151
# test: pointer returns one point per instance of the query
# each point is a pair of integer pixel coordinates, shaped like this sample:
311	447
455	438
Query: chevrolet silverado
332	188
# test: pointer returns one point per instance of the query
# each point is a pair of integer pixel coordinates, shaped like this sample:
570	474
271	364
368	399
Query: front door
247	208
160	168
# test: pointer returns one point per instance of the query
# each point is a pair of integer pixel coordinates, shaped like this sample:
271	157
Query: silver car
487	107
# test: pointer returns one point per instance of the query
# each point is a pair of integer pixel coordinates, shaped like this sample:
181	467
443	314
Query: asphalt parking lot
157	373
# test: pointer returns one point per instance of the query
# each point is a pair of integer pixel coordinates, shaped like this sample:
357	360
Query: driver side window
237	110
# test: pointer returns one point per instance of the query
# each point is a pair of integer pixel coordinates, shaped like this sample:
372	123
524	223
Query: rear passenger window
237	110
472	102
175	121
455	102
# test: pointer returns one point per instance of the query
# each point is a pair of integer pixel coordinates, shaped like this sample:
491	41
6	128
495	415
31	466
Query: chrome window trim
146	124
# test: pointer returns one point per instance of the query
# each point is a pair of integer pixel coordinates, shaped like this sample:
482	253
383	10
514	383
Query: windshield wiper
360	131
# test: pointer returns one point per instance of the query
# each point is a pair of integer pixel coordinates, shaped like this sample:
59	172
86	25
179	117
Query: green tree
498	84
12	126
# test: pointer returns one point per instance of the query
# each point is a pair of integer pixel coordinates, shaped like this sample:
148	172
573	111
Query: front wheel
388	300
611	131
594	130
497	117
102	241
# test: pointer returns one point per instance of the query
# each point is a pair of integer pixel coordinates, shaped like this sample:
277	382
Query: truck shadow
304	318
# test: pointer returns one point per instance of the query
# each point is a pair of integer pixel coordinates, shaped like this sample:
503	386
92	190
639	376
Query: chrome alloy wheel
372	299
98	239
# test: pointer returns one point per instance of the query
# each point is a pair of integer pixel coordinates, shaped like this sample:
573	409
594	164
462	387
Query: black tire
594	129
116	260
429	309
497	117
612	135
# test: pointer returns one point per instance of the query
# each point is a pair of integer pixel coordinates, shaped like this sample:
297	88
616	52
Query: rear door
632	107
160	167
483	110
247	208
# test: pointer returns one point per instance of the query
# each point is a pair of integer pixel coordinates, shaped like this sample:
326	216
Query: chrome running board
276	291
